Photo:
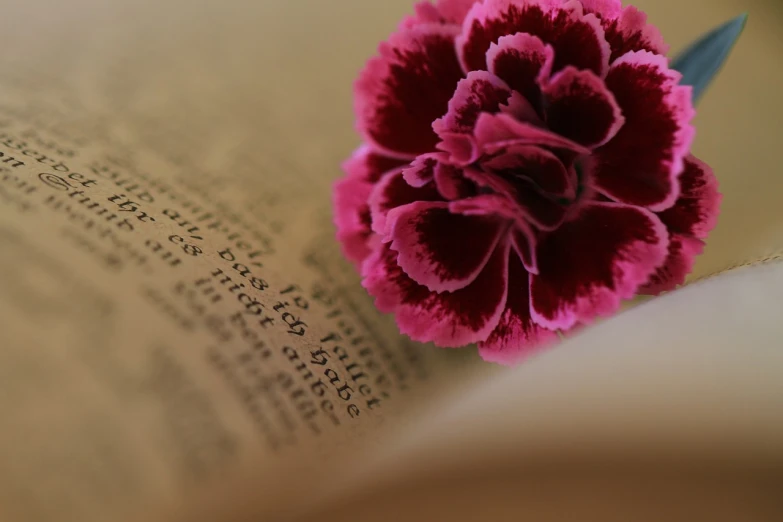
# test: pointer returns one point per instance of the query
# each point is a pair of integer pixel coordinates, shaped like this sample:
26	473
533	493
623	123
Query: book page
174	306
671	413
677	402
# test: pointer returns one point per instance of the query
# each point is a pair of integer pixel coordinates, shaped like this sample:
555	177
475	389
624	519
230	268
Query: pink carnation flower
526	168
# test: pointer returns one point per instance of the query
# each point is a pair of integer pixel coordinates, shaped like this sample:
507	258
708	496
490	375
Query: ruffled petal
439	249
629	31
495	132
516	336
531	205
640	165
577	38
593	262
369	166
521	109
580	107
394	191
604	9
683	251
519	60
523	237
538	165
491	204
401	92
455	11
352	218
351	211
696	211
422	169
461	149
478	93
689	221
448	319
523	240
425	13
542	211
451	182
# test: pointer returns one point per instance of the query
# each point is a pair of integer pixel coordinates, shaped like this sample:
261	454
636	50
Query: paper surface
174	307
166	237
670	412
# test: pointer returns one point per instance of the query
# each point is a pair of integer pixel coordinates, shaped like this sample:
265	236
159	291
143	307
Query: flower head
525	168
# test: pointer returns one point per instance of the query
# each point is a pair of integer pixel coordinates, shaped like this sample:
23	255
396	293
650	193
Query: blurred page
671	411
689	379
168	270
174	306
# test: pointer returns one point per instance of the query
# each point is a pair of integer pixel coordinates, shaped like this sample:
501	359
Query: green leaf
702	60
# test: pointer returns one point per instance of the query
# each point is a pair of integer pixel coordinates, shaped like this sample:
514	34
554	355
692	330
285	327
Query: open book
180	338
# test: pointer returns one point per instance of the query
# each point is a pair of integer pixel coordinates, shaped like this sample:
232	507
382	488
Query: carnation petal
369	166
604	9
577	38
351	211
425	13
461	149
449	179
394	191
679	263
455	11
523	236
593	262
451	182
629	31
480	92
441	249
641	164
531	204
495	132
401	92
523	240
516	336
689	221
696	211
581	108
422	169
542	211
491	204
519	60
449	319
537	164
521	109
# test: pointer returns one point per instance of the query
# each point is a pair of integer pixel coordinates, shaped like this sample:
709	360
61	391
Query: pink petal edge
677	101
405	88
579	105
429	238
477	35
632	264
449	319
